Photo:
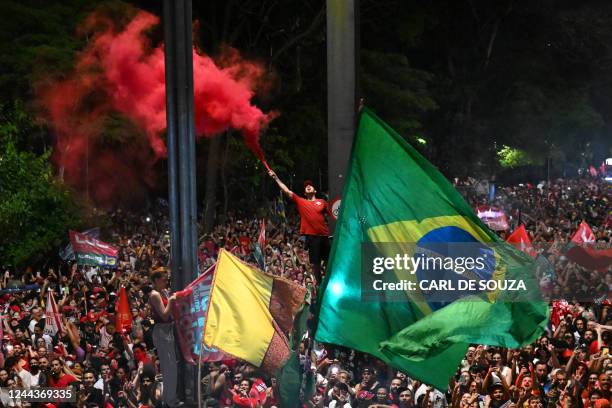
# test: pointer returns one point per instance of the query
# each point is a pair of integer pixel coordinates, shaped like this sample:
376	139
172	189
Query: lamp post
181	159
342	95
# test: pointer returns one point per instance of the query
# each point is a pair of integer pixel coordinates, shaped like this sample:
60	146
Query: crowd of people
567	367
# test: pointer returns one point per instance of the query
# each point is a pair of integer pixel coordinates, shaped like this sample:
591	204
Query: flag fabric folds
260	247
67	253
53	318
581	250
91	251
250	312
291	378
520	239
189	313
394	195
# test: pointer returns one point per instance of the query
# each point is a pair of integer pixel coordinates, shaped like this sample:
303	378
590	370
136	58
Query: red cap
308	183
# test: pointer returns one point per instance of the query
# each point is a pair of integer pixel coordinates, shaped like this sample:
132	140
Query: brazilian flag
394	195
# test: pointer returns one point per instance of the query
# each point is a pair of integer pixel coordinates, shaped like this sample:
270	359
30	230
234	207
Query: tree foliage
511	157
35	208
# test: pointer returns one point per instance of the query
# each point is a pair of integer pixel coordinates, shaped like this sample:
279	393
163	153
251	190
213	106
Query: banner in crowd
189	312
279	209
582	250
53	318
25	288
123	314
393	194
67	253
495	218
91	251
250	313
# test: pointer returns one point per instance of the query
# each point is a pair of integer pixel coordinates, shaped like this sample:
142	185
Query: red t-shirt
245	401
62	382
312	220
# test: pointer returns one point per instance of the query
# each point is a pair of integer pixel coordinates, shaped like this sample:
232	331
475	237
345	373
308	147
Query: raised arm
282	185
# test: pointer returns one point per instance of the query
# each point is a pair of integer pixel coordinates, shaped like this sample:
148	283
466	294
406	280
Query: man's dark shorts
318	248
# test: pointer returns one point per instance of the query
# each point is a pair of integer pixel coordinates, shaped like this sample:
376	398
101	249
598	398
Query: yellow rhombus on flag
250	312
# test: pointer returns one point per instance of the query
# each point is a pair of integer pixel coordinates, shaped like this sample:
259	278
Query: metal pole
192	273
181	159
342	63
199	382
173	196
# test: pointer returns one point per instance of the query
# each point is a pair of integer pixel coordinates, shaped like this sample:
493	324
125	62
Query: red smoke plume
118	82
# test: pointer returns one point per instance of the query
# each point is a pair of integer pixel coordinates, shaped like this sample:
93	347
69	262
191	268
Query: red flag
593	171
261	239
559	309
581	250
123	314
520	239
189	312
584	234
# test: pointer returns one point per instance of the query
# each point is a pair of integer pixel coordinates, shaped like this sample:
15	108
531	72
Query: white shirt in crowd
26	378
438	399
99	384
105	338
46	337
336	404
91	273
35	380
33	323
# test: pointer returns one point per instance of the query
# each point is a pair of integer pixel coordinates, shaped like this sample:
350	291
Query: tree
35	209
37	40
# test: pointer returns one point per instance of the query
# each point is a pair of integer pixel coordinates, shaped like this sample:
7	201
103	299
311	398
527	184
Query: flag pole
200	377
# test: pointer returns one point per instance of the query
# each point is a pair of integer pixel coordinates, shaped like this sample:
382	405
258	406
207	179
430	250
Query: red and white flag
53	318
584	235
520	239
261	238
583	250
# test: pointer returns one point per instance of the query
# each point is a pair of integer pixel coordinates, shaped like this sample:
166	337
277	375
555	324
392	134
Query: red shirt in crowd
245	401
62	382
312	220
